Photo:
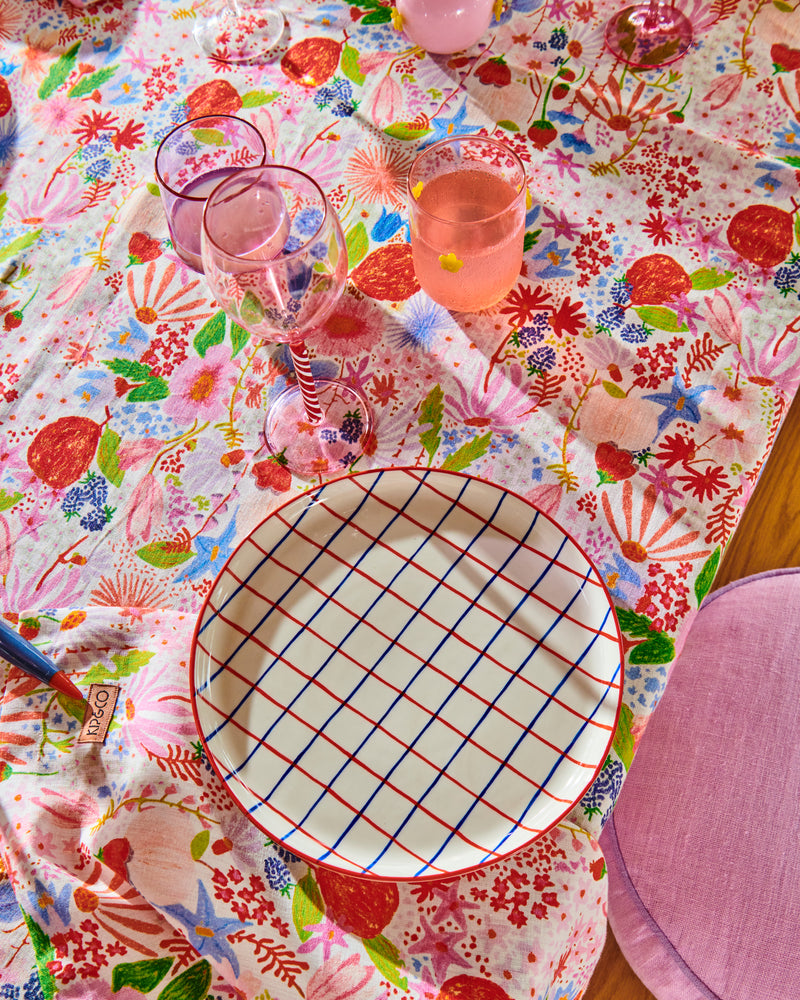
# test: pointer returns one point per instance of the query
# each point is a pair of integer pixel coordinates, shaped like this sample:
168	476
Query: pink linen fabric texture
702	851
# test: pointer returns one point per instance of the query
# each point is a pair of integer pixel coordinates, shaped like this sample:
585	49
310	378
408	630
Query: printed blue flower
207	932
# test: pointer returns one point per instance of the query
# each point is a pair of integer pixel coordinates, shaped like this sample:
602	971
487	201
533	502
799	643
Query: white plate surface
407	673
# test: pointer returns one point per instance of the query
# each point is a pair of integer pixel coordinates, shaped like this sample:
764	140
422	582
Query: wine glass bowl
275	257
649	34
239	31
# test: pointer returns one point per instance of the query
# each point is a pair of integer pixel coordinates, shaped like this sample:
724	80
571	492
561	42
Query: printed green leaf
792	161
127	664
251	310
239	338
255	98
614	390
307	906
508	126
74	707
193	984
199	844
378	16
151	390
211	333
357	244
3	203
209	136
152	188
88	84
134	371
107	457
660	648
387	960
431	412
634	624
350	65
162	555
784	8
531	239
468	453
623	740
7	500
142	976
705	278
20	243
59	72
705	578
402	130
661	318
43	952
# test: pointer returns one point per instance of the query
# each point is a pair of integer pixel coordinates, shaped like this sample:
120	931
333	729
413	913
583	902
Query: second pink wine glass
649	34
275	257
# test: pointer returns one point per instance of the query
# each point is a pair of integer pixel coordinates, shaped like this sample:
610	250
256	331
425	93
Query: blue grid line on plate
334	651
256	569
526	732
432	473
558	764
434	714
313	779
572	570
275	606
529	682
232	772
580	730
528	593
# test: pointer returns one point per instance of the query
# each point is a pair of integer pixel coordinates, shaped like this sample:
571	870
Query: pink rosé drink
191	160
467	210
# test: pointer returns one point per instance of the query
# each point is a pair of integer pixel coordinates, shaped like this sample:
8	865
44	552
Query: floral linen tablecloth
631	385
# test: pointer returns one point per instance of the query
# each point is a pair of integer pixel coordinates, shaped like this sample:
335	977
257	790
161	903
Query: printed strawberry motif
542	133
5	98
356	905
613	463
29	628
143	248
494	72
12	319
783	58
656	279
272	475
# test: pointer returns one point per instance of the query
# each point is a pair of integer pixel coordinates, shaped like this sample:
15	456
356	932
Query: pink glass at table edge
467	200
191	160
649	34
275	257
445	26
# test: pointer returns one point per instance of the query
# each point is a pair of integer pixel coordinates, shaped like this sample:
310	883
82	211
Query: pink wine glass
275	256
647	35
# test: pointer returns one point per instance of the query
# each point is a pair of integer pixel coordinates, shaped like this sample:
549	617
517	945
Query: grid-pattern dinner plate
407	673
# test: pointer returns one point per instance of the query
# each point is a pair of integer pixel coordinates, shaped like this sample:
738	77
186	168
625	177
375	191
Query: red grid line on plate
497	575
290	821
376	725
458	502
454	590
439	625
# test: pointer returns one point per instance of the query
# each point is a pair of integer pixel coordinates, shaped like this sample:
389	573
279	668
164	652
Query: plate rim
424	472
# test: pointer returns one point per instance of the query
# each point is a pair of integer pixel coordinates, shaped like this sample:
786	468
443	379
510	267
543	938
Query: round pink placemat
703	849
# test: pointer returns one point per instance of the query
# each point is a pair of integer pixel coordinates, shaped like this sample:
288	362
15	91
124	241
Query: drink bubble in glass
466	199
191	161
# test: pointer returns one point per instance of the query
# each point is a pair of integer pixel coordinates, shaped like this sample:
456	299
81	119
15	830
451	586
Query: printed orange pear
762	234
215	97
656	279
387	274
359	906
312	61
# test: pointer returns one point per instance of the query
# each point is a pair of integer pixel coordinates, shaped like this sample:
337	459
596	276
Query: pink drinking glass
445	26
275	257
466	203
191	160
648	35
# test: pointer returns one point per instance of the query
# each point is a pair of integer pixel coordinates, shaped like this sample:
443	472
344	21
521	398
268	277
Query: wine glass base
332	445
240	32
644	38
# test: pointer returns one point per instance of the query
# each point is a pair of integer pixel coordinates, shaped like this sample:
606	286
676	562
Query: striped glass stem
302	369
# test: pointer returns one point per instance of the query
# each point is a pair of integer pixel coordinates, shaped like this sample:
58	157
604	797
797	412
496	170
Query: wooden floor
768	537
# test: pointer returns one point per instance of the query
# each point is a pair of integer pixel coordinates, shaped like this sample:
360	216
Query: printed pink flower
199	389
649	544
353	328
387	102
343	979
154	715
724	90
145	509
725	321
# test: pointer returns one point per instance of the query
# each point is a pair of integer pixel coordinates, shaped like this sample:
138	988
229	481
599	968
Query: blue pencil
23	654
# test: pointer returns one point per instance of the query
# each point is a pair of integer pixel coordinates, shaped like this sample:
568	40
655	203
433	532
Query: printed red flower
705	483
523	302
569	317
